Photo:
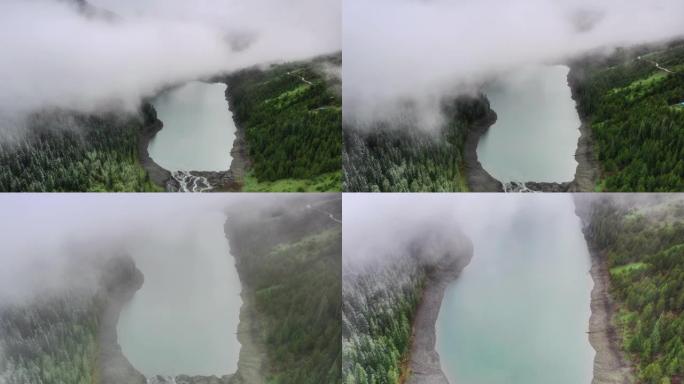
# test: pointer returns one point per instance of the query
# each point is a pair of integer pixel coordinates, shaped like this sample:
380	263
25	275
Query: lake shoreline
586	172
230	180
252	357
611	366
151	126
424	362
478	179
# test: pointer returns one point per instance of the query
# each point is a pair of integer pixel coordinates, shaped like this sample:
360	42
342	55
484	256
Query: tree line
645	254
406	158
291	119
631	107
65	151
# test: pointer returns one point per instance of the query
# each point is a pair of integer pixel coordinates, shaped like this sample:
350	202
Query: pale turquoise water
519	312
535	136
198	131
184	318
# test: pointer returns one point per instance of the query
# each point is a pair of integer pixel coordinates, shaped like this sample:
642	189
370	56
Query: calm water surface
184	318
518	314
535	136
198	131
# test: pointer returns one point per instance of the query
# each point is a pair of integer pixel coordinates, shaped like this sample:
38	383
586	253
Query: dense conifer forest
291	117
633	103
63	151
388	158
290	265
379	307
51	340
644	248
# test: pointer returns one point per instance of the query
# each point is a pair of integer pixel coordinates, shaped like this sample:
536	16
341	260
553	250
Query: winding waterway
184	319
536	133
519	313
198	131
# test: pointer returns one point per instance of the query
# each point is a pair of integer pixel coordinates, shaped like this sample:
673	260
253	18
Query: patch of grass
327	182
627	268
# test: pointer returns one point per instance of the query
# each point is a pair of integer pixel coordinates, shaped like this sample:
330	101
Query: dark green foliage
291	265
378	312
70	152
407	159
291	119
49	341
645	251
631	107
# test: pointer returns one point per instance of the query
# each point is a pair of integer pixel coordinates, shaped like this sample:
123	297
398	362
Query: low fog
111	53
411	54
46	238
378	227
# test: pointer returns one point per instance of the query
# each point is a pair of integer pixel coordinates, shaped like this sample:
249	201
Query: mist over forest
403	58
104	55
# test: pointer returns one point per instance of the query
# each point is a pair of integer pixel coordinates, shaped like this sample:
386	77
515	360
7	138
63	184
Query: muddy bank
424	362
586	173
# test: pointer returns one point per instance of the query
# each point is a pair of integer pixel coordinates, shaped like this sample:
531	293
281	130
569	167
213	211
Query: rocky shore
611	366
151	126
252	356
120	281
479	180
230	180
424	362
586	174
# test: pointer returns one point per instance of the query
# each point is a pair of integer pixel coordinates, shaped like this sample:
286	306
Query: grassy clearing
328	182
627	268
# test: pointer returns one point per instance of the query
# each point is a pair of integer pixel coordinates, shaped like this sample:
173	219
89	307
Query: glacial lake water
519	313
198	131
535	135
184	319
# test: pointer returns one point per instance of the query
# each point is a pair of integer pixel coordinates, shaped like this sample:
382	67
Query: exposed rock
151	126
479	180
586	174
611	366
424	364
120	280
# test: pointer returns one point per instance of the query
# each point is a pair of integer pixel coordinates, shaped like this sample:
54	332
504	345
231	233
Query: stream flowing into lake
198	130
519	313
184	319
536	133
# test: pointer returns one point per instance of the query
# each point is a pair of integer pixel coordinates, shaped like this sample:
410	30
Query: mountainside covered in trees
642	241
378	310
290	116
405	158
633	103
63	151
289	264
383	340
